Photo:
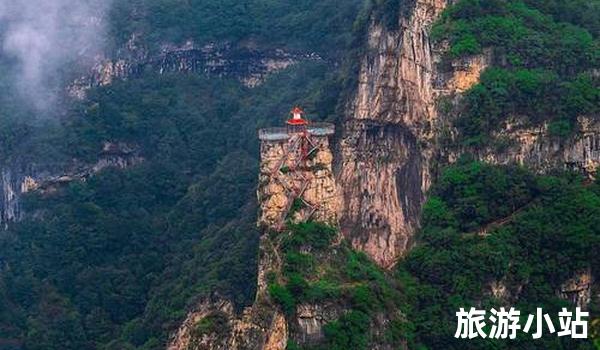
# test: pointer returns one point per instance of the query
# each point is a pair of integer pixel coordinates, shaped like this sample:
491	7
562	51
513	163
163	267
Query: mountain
462	173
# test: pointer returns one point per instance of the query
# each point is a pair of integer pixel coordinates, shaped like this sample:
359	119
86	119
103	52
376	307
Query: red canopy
297	119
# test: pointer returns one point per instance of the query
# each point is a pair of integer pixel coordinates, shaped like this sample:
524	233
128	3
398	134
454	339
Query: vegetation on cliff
115	262
319	270
492	236
545	54
309	25
486	225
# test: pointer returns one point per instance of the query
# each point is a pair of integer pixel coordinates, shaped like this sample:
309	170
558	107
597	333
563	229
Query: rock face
578	290
392	134
388	139
464	73
310	319
536	148
213	325
10	209
229	332
249	65
18	178
296	179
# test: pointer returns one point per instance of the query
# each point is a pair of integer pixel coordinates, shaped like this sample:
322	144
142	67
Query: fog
45	38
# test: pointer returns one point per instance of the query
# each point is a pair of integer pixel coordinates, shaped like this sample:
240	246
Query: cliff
398	130
261	326
388	142
394	137
533	146
313	289
20	177
536	148
338	300
249	64
296	184
296	179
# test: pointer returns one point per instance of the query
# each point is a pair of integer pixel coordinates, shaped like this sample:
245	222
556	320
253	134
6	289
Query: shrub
299	263
211	323
314	234
360	268
283	297
363	299
297	286
323	290
349	332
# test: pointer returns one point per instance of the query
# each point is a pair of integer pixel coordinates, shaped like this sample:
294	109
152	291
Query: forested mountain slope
127	206
507	236
115	261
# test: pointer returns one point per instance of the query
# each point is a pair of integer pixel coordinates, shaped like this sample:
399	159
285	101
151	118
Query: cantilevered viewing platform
297	125
283	133
296	180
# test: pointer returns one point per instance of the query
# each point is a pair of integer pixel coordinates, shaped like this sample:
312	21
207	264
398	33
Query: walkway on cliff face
484	230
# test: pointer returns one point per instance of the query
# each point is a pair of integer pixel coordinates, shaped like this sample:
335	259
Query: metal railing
321	129
283	133
273	134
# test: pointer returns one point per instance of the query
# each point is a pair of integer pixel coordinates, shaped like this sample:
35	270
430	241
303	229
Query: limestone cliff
580	289
297	193
293	185
517	143
396	132
214	324
536	148
386	157
250	65
261	326
20	177
296	183
388	140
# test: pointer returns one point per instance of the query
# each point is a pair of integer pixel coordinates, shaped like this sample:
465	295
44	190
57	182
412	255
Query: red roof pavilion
297	119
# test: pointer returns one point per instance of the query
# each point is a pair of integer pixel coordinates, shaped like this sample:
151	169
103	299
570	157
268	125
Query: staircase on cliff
296	181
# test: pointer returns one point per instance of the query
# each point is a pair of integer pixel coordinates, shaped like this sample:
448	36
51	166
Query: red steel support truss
298	148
